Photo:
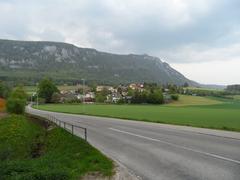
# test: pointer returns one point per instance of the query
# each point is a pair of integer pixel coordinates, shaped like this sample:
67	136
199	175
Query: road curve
161	152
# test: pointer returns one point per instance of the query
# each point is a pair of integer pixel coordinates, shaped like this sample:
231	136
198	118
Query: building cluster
110	93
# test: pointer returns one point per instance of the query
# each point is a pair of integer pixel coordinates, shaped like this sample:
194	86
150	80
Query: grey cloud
118	28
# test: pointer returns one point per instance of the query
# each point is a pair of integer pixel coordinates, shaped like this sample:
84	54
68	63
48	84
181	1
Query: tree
175	97
100	98
17	101
4	90
152	96
155	97
46	88
102	95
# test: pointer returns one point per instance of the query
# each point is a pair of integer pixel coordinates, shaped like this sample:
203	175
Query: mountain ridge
29	61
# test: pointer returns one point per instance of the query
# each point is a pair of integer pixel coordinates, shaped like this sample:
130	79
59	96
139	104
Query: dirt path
2	105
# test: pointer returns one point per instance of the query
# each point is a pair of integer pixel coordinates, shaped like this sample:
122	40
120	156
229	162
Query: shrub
17	101
16	105
4	90
175	97
120	101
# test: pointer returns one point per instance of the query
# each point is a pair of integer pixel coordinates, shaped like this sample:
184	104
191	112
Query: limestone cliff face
66	62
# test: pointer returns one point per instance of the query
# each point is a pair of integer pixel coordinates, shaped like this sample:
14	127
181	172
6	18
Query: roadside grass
29	151
185	100
224	116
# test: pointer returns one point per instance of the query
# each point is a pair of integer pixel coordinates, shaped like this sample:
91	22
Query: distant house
113	97
68	97
167	98
138	86
133	86
101	88
87	98
166	90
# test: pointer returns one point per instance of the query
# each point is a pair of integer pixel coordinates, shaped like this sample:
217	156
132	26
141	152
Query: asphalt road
162	152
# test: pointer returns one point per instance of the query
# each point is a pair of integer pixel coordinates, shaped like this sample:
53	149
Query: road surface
162	152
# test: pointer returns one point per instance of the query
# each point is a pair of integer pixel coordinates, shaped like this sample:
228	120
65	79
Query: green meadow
194	111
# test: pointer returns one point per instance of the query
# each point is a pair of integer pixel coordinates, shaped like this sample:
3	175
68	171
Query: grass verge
29	151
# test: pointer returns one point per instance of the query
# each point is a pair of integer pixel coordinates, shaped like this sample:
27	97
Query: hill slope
30	61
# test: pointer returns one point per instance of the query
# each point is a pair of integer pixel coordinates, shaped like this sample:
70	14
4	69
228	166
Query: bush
100	98
175	97
121	101
17	101
16	105
4	90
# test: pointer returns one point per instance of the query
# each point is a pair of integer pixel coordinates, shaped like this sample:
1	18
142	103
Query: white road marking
178	146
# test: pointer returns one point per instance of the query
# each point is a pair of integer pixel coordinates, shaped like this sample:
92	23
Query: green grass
204	89
225	115
185	100
60	155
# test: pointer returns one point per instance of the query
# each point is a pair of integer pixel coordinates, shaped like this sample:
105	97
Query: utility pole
83	95
37	95
37	100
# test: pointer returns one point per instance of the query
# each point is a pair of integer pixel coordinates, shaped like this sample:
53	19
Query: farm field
204	89
185	100
221	115
32	89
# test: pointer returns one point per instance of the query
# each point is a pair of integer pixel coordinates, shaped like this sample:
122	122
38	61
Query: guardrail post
85	133
64	125
72	130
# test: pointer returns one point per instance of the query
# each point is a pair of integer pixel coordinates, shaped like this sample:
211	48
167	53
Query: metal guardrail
65	125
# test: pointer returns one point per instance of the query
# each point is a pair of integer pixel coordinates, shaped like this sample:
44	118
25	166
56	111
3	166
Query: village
112	94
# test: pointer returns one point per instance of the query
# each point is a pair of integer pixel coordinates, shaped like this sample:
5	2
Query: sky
199	38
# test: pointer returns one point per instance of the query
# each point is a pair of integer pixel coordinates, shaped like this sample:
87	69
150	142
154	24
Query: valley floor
222	114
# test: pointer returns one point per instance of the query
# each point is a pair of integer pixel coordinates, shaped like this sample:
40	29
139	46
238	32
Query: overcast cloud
203	34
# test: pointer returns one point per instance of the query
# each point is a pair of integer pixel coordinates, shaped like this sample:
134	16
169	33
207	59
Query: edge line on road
178	146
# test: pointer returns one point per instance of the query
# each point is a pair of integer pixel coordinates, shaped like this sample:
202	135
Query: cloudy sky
200	38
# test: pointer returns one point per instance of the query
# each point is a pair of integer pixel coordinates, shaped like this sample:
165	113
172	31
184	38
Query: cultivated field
194	100
220	115
32	89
